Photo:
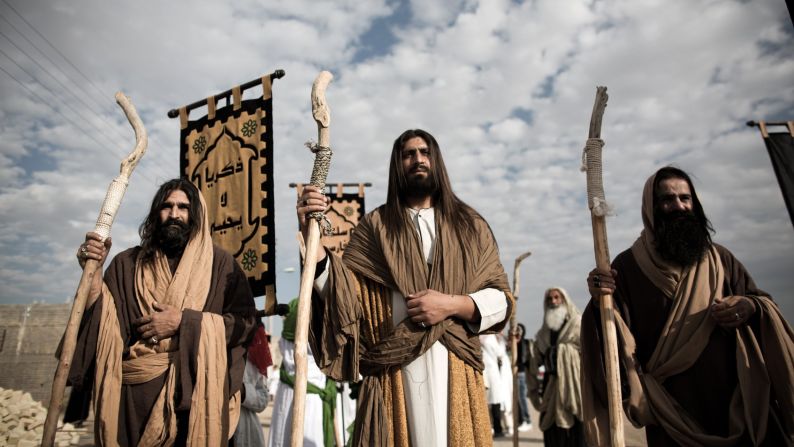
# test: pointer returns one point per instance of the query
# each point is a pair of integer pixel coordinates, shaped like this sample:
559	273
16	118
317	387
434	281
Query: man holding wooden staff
161	343
419	280
706	357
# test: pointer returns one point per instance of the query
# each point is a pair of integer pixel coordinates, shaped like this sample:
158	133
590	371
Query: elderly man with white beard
558	398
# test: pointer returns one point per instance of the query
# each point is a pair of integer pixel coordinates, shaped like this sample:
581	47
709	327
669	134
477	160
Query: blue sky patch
36	160
379	39
526	115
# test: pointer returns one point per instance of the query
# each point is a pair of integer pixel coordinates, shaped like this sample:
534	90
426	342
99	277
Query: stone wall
29	336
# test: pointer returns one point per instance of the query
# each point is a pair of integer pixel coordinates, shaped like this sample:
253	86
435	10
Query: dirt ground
532	437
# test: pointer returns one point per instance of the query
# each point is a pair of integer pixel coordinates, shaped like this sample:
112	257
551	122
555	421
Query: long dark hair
452	210
148	228
523	330
669	172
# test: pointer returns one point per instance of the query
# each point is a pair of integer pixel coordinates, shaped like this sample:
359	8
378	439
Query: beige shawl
356	330
685	335
187	288
561	405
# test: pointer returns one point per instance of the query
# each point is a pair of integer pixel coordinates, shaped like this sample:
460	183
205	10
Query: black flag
781	150
228	155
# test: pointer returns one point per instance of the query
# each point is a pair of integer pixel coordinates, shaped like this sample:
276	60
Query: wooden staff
514	347
105	220
322	162
598	211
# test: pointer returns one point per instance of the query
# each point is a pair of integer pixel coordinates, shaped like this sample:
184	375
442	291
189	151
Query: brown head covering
187	288
684	336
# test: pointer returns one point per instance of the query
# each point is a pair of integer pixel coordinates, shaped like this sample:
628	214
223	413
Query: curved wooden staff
105	220
322	162
514	346
598	211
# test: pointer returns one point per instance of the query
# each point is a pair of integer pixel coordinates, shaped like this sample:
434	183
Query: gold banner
344	213
228	155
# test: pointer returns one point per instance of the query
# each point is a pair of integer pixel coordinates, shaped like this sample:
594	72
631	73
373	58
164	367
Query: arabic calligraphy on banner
227	154
344	213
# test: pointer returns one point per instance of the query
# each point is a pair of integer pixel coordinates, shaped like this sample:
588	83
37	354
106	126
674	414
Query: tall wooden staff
598	211
514	347
322	162
107	214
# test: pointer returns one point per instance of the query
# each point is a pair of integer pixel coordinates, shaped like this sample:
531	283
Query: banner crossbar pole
278	74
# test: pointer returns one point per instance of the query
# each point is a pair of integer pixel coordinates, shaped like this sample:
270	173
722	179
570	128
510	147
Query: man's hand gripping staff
322	162
92	266
598	210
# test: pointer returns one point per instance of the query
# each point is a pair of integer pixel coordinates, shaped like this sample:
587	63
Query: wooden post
514	347
107	214
601	248
323	118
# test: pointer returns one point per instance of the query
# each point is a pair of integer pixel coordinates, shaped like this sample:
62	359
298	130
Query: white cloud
510	131
683	77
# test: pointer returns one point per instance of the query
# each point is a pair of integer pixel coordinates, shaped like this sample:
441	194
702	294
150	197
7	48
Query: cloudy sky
507	88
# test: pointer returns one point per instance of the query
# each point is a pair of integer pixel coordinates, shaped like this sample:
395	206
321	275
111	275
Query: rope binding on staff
591	163
322	164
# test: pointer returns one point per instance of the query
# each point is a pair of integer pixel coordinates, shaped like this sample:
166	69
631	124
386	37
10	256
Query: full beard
680	238
421	186
555	317
172	237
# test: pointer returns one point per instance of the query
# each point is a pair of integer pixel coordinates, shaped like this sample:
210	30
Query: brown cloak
352	328
686	379
229	296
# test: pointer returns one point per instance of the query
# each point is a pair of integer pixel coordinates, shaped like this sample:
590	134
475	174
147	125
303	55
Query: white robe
249	429
344	413
506	387
281	421
425	380
492	354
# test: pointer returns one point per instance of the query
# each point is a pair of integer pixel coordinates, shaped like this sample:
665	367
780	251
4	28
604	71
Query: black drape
781	150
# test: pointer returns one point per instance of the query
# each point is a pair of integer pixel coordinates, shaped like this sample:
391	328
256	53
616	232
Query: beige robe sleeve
334	331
